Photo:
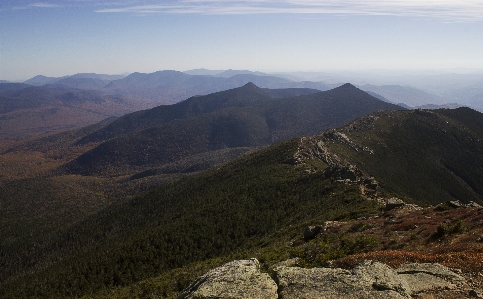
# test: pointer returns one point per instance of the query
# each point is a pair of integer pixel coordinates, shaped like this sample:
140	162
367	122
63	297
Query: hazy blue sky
57	38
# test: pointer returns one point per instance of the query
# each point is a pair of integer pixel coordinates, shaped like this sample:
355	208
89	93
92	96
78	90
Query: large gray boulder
239	279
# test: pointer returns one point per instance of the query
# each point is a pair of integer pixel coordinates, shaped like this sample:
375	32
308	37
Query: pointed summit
250	85
348	85
347	89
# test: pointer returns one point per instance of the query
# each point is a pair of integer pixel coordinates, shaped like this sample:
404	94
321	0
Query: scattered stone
333	224
235	280
411	207
393	203
310	232
473	204
455	203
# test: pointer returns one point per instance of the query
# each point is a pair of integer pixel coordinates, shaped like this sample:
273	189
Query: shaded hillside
426	155
27	111
289	92
186	109
255	204
241	117
246	96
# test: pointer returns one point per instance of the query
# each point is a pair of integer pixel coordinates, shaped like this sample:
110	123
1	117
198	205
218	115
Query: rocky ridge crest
341	171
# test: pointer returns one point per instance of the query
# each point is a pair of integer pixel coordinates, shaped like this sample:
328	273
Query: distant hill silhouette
72	80
41	80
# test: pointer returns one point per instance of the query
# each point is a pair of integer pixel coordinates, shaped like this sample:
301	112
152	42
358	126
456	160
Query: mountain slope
430	156
217	212
241	117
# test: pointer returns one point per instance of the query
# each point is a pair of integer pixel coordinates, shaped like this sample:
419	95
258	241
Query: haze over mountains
139	91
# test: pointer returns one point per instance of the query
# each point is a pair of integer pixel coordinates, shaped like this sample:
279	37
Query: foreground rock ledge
235	280
243	279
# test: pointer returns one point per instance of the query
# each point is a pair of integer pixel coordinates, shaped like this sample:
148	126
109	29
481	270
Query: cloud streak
43	5
443	9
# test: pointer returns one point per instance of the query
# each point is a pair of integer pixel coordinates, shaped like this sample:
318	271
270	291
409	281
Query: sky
58	38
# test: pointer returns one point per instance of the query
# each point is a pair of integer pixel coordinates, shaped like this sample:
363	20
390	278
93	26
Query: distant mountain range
169	87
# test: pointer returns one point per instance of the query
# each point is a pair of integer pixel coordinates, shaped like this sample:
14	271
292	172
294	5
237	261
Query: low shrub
444	229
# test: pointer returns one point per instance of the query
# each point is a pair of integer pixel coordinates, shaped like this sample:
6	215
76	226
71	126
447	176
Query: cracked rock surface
243	279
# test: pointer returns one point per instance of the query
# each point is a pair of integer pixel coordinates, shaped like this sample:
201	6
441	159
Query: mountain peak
348	85
250	85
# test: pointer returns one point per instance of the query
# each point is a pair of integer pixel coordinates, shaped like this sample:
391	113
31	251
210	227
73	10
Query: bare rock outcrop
393	203
369	280
239	279
316	148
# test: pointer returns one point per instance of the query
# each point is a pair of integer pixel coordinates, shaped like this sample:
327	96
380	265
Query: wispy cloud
15	6
43	5
450	10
